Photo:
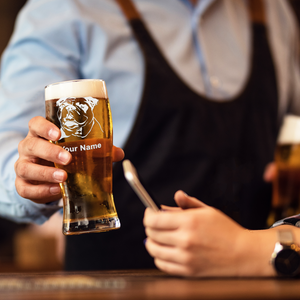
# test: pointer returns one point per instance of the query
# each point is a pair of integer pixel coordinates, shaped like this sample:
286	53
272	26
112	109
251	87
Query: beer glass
286	187
81	110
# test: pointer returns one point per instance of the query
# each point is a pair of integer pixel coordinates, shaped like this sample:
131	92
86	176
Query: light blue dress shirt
208	46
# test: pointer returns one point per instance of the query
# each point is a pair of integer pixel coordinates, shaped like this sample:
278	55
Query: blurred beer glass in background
286	187
80	108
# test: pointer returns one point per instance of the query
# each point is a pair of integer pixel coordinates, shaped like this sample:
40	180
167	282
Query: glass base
89	226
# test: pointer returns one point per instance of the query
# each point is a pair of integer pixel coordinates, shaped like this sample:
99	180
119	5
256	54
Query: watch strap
285	237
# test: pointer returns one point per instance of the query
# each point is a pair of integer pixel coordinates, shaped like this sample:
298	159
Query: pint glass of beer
286	187
81	110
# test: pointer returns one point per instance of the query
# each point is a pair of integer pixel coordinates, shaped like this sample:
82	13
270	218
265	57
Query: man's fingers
41	193
39	148
170	208
184	201
172	268
160	251
37	179
118	154
34	172
40	127
163	237
162	219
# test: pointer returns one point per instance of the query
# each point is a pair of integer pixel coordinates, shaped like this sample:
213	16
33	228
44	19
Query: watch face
287	262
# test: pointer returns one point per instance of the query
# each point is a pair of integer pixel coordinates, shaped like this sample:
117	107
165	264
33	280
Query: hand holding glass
80	108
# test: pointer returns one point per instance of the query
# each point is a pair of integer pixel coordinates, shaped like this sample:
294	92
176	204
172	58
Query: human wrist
254	254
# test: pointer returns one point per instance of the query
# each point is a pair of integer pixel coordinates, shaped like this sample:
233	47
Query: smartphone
131	176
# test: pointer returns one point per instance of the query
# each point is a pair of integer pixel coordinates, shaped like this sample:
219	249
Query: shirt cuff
293	220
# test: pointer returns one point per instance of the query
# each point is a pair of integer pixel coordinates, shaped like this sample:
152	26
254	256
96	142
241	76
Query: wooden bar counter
140	284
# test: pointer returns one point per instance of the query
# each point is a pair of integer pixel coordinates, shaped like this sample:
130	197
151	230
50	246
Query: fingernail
145	240
54	190
64	156
53	134
58	175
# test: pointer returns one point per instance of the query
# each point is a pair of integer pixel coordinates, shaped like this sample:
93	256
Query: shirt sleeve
45	48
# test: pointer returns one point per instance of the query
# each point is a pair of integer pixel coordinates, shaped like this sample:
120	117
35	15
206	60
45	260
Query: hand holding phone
131	176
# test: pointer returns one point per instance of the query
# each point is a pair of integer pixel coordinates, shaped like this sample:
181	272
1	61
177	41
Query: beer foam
290	130
80	88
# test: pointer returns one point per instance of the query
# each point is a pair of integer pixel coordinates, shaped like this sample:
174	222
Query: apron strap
257	11
129	9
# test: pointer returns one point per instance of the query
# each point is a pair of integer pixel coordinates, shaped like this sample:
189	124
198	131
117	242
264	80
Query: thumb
184	201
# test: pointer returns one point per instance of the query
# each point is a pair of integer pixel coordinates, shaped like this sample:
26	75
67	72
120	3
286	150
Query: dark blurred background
296	6
21	245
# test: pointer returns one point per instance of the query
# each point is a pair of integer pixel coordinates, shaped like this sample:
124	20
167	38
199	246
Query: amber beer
80	108
286	187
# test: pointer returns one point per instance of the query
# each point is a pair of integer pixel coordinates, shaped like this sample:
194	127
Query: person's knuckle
192	221
146	218
21	189
161	265
157	264
150	219
20	146
16	164
147	231
32	122
149	247
31	144
157	252
39	193
21	169
43	173
186	241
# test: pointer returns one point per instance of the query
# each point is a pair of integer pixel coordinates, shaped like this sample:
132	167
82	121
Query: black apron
214	151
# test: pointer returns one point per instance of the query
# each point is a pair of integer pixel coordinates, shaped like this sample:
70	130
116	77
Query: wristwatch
286	255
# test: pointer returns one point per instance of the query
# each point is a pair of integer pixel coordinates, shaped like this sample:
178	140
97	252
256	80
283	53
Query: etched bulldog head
76	116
